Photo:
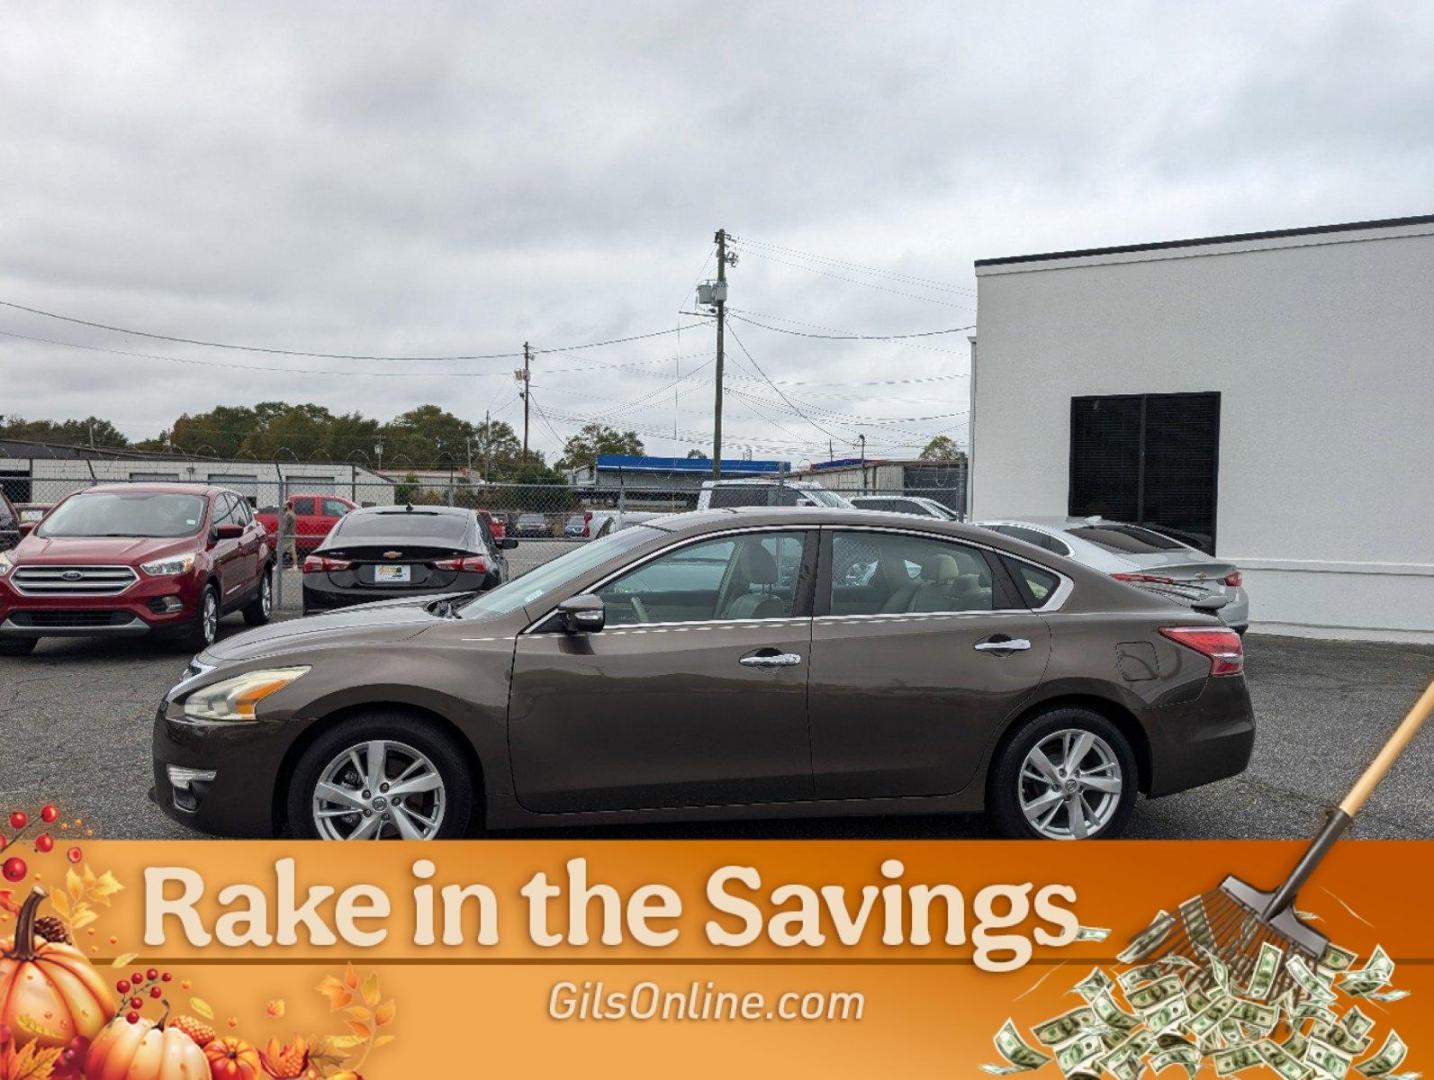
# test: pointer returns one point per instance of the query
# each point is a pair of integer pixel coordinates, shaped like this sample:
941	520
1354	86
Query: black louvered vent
1151	459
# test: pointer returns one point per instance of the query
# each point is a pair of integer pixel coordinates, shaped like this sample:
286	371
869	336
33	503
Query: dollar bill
1375	975
1094	984
1335	958
1391	1055
1151	996
1208	1019
1257	1015
1168	1015
1296	1044
1092	933
1313	1010
1112	1015
1356	1022
1267	966
1219	973
1064	1028
1276	1057
1019	1056
1197	922
1308	981
1329	1060
1149	939
1387	996
1340	1037
1082	1050
1186	1056
1236	1059
1144	973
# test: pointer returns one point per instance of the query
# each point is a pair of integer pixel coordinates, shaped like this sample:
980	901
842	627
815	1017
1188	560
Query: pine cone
52	929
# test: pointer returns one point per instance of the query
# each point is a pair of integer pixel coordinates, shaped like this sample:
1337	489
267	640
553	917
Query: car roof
738	516
413	508
156	487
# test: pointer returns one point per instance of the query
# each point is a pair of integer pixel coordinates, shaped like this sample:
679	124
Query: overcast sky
431	179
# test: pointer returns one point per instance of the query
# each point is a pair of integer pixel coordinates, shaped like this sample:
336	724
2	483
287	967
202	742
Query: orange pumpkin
233	1059
49	993
144	1050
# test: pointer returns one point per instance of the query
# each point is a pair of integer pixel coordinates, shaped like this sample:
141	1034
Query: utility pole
719	297
487	443
523	378
862	437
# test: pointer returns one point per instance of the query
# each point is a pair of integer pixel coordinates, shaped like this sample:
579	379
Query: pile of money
1299	1018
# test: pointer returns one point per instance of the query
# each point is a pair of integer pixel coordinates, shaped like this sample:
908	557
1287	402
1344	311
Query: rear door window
875	573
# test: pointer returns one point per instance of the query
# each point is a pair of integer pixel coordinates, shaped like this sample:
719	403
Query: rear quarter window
1039	585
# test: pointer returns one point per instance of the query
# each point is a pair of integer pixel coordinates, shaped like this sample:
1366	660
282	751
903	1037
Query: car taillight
1144	579
1223	647
474	564
1234	580
322	564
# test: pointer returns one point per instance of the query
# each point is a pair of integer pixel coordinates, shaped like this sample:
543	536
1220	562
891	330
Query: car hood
385	621
119	550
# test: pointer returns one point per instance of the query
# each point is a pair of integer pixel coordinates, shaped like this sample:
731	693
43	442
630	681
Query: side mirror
228	531
508	543
582	614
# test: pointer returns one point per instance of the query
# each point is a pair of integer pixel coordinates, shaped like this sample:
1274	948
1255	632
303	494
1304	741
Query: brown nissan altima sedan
720	664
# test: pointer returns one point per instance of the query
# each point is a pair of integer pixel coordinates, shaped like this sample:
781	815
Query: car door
227	554
251	545
909	679
695	693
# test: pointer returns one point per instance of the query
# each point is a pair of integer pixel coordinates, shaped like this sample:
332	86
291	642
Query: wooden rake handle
1380	766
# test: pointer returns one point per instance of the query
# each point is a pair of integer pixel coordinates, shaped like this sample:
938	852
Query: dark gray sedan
719	664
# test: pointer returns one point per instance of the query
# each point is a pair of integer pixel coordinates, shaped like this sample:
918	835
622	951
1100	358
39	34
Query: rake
1233	922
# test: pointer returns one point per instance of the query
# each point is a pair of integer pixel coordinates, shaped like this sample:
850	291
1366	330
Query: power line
780	392
857	337
898	342
932	283
855	281
322	355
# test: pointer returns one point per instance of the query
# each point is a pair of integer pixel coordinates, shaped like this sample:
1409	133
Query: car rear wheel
1068	774
258	611
17	646
382	777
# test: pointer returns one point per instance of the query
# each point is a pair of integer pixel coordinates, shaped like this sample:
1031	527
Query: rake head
1232	924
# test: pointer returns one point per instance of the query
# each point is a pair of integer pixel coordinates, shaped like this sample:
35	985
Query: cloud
448	177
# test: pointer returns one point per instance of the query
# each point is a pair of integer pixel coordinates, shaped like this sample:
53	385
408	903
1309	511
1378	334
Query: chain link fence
298	511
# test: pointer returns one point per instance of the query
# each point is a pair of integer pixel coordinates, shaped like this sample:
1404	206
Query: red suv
128	559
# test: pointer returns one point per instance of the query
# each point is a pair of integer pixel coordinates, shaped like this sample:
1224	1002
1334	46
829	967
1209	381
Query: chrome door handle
786	659
1010	645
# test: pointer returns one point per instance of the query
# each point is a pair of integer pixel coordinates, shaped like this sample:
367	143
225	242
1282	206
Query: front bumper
1203	740
150	605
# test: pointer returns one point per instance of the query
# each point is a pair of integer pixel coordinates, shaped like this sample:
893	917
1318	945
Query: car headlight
236	698
6	565
170	565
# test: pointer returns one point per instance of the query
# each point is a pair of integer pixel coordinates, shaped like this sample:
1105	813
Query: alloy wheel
266	594
210	617
380	789
1070	785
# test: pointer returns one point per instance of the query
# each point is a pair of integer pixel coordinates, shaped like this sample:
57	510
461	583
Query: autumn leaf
123	960
32	1062
359	1013
276	1008
351	979
363	1031
84	915
202	1007
383	1040
341	1042
338	994
371	993
7	902
61	903
74	885
103	888
384	1014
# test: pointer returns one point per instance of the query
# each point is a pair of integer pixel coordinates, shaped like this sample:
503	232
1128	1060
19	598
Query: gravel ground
75	722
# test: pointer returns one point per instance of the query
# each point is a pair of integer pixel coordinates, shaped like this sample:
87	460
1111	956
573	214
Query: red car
127	559
314	517
497	525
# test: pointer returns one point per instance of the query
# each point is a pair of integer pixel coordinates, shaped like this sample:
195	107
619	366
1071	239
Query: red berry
19	819
44	843
14	869
136	1003
122	986
132	1017
165	977
137	978
74	854
155	992
48	813
152	974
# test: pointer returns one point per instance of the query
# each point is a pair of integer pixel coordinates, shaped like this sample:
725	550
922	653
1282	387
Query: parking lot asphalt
75	727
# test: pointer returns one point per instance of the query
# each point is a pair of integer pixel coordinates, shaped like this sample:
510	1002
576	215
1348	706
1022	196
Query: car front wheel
382	776
1068	774
205	626
258	610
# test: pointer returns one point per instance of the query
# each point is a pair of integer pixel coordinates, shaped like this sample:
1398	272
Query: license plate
391	575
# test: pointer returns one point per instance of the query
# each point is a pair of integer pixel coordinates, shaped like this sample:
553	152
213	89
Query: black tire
257	612
17	646
443	750
202	631
1007	784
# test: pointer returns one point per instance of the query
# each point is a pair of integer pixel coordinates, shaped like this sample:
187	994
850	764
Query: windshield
116	513
536	584
826	498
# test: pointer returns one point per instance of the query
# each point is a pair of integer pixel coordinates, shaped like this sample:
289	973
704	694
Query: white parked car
1143	557
720	494
894	503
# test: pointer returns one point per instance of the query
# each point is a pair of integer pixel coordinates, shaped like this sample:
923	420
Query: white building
1271	394
39	472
